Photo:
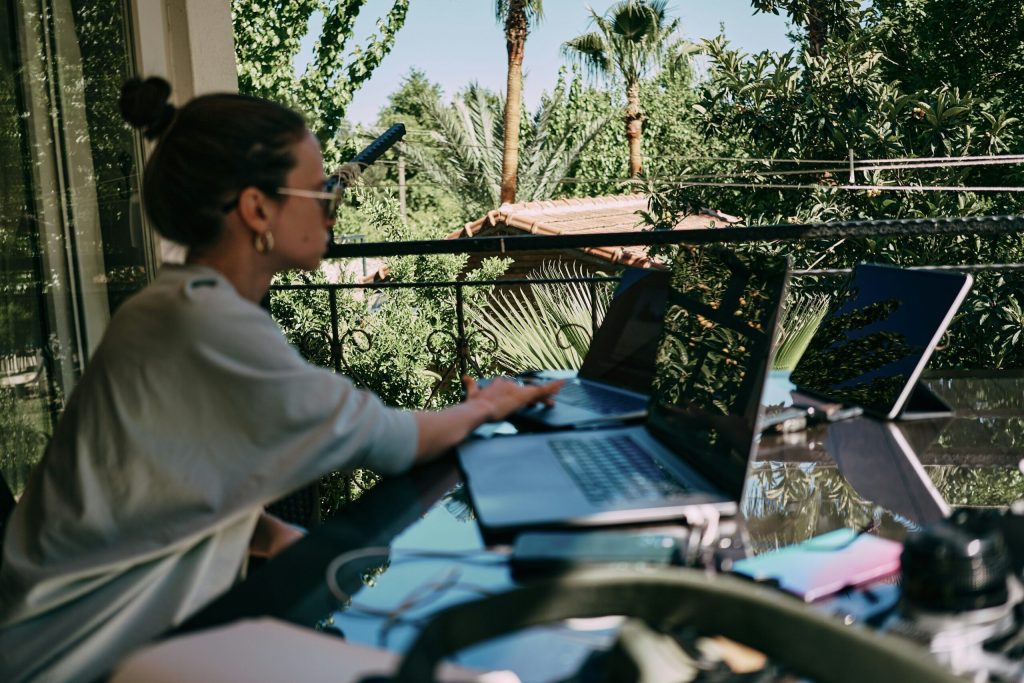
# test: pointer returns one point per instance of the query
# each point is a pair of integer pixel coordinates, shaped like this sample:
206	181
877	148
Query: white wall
191	44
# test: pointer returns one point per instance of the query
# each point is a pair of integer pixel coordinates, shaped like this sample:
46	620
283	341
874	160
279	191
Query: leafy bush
853	87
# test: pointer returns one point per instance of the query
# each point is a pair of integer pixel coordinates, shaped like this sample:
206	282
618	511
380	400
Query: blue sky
456	42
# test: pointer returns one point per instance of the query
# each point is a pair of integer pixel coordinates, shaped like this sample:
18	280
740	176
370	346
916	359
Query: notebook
873	345
614	381
693	448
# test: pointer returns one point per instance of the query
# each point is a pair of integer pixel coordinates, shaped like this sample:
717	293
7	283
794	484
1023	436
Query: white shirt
193	413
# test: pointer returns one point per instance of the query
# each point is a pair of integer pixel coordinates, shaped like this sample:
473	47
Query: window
72	240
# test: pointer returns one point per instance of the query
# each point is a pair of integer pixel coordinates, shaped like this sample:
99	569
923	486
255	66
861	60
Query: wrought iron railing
341	338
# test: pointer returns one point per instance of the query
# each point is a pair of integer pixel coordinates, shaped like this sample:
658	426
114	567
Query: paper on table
270	651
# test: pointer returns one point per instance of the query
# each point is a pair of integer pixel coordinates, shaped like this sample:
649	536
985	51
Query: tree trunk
515	44
634	119
817	30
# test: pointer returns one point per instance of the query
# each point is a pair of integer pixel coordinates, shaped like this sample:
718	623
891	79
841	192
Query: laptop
874	343
693	448
614	381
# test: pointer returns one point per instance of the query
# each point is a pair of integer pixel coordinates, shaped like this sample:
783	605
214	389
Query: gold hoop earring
264	242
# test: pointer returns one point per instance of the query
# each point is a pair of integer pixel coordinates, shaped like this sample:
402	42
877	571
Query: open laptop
693	448
873	345
614	382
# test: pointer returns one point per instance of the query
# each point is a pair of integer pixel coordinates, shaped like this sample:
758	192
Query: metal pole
401	186
332	297
463	343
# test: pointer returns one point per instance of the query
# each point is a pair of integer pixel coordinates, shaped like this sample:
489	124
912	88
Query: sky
456	42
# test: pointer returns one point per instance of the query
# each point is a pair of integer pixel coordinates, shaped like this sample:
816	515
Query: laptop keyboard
597	399
614	469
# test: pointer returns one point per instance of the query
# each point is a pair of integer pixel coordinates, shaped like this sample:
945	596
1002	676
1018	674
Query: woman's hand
272	535
441	430
505	396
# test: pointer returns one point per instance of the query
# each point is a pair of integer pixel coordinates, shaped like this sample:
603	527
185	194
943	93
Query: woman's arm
441	429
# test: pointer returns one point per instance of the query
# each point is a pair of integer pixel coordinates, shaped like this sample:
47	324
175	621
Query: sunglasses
329	197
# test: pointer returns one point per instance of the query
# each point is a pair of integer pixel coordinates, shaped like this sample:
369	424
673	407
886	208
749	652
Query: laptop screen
714	357
624	347
874	342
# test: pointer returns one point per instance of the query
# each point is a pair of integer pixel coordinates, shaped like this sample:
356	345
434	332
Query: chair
6	507
21	372
302	507
791	633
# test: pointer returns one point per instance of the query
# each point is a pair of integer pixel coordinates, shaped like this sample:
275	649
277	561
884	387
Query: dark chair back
6	507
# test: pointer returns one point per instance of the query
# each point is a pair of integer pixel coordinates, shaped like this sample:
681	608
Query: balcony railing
453	349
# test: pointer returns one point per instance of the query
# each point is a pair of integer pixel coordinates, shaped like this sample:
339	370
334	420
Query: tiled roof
580	216
585	216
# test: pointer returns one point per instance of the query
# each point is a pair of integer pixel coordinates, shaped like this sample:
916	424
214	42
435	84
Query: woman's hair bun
145	104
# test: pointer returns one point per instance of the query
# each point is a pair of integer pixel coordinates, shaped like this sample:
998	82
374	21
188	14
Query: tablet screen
873	344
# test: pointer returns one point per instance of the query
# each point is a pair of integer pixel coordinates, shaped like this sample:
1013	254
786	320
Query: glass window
72	241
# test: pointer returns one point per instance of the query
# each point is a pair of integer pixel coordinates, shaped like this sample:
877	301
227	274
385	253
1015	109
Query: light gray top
193	413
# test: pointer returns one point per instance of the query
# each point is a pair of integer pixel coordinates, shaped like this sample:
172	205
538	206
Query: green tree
517	16
469	134
425	204
671	128
820	19
629	41
268	37
976	47
770	108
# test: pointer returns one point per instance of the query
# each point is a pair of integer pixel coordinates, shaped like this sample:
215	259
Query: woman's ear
255	209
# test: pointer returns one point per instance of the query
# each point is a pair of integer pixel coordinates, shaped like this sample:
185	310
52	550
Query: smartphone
554	551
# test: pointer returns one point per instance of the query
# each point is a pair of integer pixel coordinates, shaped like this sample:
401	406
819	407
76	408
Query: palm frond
533	9
800	320
545	326
469	134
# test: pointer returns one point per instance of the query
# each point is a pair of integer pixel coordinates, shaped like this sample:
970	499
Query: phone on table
557	551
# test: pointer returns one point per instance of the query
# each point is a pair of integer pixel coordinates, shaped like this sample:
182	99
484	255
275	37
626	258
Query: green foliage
786	503
800	320
545	325
428	206
397	342
852	96
24	432
977	486
976	47
466	151
629	41
407	104
532	9
670	129
268	36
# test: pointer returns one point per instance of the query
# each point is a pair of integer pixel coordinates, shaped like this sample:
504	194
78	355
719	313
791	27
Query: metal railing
462	338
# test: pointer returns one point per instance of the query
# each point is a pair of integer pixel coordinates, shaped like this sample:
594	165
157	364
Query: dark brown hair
206	153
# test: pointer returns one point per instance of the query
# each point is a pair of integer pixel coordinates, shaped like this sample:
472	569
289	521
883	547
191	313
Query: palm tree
629	41
464	156
518	15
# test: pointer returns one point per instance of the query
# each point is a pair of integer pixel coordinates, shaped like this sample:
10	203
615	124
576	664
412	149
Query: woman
194	412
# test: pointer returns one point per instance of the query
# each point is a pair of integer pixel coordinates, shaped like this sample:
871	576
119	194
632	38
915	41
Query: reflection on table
889	477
